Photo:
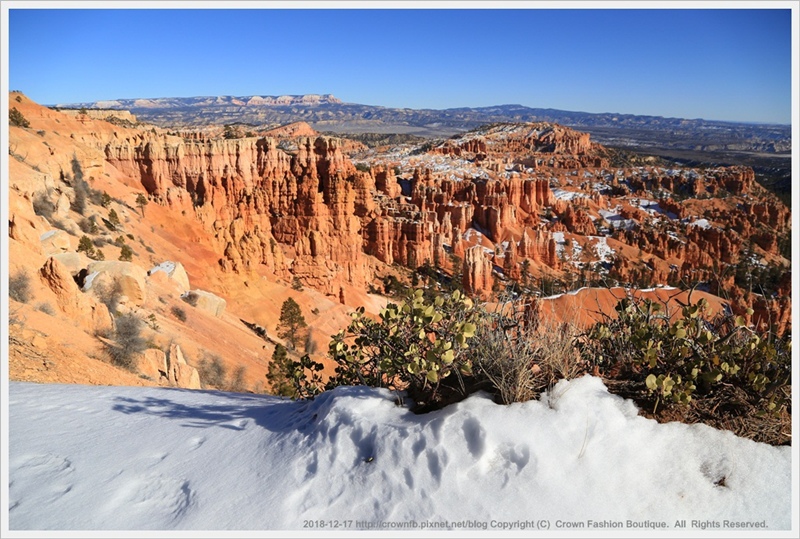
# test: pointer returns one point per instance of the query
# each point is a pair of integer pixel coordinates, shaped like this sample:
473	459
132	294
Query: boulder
131	279
176	273
55	241
205	301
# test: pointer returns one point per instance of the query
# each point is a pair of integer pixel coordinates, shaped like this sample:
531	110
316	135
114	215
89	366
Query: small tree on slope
291	323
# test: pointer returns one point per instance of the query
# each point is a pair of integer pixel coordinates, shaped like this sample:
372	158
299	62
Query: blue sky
719	64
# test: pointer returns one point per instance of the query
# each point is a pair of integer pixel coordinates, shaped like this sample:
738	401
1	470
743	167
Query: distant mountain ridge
324	112
201	101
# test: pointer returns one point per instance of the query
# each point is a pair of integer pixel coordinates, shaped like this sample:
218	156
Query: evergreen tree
126	254
291	322
279	373
141	202
113	219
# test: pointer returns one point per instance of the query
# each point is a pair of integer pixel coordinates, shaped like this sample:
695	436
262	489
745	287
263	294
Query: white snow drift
125	458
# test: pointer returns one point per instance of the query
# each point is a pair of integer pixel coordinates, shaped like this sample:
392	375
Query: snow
615	220
87	283
562	194
602	249
657	287
136	458
702	223
47	234
167	267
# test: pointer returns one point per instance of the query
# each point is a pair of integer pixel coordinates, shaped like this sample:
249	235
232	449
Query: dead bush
19	287
128	341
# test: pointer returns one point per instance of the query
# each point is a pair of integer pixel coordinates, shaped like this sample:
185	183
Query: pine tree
279	373
291	322
113	219
141	202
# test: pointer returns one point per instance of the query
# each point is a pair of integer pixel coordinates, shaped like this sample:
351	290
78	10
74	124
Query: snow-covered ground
562	194
130	458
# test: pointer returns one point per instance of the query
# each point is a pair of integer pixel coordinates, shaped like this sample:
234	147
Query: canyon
246	220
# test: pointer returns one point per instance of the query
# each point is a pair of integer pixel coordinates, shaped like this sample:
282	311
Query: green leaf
432	377
650	382
468	329
447	357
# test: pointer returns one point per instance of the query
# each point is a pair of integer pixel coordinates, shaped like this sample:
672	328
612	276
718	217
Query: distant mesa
211	101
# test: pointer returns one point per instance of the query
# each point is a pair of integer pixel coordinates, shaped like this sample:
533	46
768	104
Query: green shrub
415	346
16	118
306	377
692	356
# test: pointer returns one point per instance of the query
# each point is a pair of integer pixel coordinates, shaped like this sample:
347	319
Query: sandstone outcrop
477	272
84	310
180	373
153	364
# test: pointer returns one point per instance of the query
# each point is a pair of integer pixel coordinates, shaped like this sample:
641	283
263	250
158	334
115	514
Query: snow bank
111	458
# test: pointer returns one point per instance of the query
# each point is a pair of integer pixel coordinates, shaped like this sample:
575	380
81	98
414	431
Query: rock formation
77	306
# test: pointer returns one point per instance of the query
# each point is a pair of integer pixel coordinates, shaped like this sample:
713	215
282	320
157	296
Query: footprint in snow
149	501
39	479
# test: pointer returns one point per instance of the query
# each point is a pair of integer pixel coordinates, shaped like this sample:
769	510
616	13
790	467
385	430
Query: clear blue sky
719	64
